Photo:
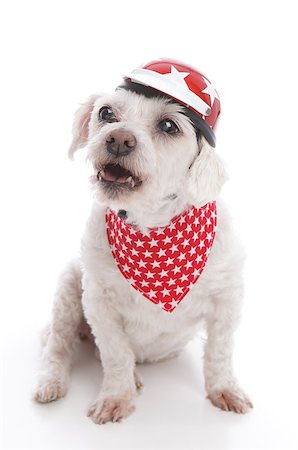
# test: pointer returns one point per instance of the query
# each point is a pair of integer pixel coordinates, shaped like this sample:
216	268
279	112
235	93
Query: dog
150	165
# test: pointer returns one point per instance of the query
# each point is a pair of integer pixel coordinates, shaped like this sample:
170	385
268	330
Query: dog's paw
110	409
49	391
231	400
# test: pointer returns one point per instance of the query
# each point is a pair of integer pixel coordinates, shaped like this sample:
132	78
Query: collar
164	263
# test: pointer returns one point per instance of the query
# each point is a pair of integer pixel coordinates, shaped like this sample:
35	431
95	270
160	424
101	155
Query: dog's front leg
221	385
115	400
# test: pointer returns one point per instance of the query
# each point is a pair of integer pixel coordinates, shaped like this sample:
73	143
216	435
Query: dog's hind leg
62	337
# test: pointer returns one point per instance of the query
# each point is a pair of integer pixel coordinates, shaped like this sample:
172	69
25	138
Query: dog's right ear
206	176
80	128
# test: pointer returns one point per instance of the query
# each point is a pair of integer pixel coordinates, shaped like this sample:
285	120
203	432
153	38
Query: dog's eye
106	114
168	126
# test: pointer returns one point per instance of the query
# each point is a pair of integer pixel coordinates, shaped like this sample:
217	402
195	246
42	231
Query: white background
54	54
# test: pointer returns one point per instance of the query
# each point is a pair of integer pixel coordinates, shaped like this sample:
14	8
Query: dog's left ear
80	128
207	175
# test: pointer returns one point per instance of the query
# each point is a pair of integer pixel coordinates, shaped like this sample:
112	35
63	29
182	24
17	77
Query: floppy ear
80	128
207	175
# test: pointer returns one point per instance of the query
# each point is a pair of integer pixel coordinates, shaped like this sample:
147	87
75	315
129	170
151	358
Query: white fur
128	328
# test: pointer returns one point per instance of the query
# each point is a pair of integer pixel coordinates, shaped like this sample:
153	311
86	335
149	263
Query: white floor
171	413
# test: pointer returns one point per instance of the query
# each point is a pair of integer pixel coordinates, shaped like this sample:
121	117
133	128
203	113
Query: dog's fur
127	328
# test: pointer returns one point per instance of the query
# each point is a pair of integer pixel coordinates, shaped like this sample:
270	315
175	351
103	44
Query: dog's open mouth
114	173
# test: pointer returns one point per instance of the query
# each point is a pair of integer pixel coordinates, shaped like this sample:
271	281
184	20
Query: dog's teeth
100	175
131	181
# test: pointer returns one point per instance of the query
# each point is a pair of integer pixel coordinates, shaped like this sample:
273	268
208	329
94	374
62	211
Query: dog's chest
153	334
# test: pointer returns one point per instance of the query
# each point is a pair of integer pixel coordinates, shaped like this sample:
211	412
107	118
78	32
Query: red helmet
187	86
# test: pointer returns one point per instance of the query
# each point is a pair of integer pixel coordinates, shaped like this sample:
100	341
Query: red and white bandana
165	263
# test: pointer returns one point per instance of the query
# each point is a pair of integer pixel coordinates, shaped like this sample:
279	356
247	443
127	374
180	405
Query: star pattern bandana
164	263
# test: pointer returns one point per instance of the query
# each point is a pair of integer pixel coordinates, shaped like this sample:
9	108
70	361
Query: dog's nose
120	143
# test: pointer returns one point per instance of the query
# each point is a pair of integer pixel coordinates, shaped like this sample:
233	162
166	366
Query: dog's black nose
120	143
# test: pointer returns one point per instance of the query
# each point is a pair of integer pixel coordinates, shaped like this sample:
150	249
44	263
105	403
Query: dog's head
143	150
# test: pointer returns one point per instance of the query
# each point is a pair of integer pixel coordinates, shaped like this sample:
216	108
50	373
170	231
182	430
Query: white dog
150	165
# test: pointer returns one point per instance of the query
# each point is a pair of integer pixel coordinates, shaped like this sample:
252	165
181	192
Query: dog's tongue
116	173
111	177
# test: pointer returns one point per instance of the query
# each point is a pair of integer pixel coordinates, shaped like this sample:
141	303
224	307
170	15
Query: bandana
166	262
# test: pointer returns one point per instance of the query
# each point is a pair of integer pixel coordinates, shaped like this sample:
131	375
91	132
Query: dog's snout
121	143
